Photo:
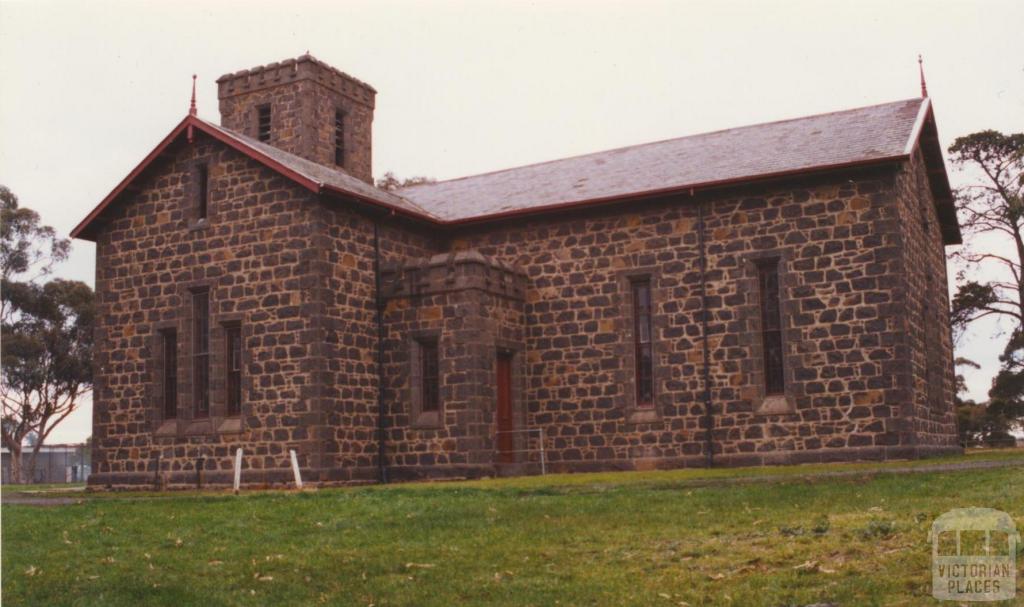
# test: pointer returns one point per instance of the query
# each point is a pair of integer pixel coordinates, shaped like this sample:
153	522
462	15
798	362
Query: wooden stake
295	469
238	469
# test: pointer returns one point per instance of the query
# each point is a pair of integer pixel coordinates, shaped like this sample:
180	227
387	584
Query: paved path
41	497
23	500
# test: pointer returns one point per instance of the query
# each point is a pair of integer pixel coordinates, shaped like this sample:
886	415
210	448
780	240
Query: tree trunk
16	465
1019	241
30	470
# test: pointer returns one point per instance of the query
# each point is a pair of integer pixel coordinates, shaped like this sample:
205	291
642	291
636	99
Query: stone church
769	294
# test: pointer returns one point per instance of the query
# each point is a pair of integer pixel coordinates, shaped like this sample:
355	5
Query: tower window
339	137
643	354
201	353
771	327
233	339
263	122
203	190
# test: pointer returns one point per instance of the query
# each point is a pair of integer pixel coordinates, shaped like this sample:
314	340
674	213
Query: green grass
604	539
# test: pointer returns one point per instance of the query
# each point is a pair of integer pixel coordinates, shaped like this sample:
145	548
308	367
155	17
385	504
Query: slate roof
839	139
836	139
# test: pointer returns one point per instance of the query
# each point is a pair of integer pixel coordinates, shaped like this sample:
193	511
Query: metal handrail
528	431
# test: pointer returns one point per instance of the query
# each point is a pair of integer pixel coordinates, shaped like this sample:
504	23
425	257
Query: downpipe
709	420
382	467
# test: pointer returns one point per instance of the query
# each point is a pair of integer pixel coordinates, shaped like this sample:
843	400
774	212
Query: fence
54	464
996	443
534	444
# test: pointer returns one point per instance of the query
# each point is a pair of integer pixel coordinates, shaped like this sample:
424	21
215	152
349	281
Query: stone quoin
770	294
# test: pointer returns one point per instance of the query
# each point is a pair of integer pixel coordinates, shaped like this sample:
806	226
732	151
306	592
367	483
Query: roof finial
920	67
192	106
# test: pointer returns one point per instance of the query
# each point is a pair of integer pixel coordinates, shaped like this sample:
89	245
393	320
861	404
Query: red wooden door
506	421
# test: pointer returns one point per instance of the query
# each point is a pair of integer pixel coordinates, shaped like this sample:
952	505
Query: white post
543	464
295	469
238	469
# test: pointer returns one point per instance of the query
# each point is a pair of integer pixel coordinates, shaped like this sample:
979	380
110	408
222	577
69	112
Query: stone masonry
303	95
335	298
845	308
471	306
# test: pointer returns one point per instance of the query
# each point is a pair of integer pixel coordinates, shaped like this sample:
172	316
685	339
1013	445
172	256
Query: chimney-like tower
305	107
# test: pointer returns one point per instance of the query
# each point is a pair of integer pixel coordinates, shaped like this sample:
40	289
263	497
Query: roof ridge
659	141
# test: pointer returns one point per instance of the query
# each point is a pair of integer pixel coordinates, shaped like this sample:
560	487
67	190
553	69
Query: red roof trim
196	123
191	121
926	139
923	114
82	225
306	182
707	185
395	210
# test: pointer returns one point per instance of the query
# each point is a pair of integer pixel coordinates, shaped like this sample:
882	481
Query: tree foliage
993	206
1006	398
28	250
47	333
981	423
391	182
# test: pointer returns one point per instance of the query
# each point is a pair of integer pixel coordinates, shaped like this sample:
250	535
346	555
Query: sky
89	88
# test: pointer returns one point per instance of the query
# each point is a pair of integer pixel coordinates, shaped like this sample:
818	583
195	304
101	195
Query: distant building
767	294
54	464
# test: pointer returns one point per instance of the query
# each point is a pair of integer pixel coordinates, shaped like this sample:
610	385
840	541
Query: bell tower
305	107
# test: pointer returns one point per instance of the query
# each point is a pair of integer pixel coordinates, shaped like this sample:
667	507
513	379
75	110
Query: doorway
506	419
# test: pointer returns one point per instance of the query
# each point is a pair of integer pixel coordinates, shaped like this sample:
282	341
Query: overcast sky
89	88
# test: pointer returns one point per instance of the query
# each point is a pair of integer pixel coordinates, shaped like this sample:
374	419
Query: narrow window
923	206
339	137
233	339
771	327
643	355
201	353
170	373
429	381
932	346
203	191
263	122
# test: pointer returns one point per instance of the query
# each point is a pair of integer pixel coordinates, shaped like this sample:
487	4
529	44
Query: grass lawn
605	539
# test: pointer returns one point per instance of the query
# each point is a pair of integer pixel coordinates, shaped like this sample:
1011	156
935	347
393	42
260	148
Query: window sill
775	404
230	425
427	421
175	428
199	225
646	415
199	426
168	427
